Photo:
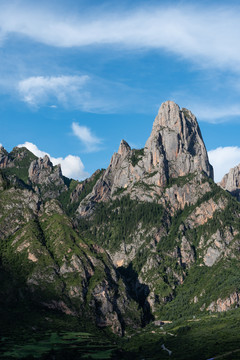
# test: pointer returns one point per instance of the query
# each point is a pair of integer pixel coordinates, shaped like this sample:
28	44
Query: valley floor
54	336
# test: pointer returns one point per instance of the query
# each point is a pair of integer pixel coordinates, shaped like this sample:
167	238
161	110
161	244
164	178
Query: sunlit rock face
42	172
231	182
175	148
176	143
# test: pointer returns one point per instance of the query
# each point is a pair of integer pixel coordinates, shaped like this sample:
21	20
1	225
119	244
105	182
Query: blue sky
78	76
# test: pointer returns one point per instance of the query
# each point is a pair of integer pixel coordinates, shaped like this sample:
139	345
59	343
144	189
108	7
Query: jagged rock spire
124	148
4	157
175	148
231	181
41	171
176	143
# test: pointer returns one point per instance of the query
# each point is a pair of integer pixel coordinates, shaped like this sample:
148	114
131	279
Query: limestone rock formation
231	182
52	265
176	144
15	158
175	148
162	227
4	158
225	304
82	187
42	172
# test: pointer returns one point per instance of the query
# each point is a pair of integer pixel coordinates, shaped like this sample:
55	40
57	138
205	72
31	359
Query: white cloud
213	110
38	90
215	114
83	133
71	165
207	35
223	159
85	93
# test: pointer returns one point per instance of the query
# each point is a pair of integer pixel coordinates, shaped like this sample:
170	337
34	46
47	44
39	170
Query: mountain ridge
123	245
231	181
175	148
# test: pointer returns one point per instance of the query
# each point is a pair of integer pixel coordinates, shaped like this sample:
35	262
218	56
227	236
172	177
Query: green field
202	338
210	336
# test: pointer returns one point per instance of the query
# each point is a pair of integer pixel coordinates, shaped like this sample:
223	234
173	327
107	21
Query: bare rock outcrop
226	304
231	182
176	144
42	172
24	206
175	148
5	160
81	187
187	253
218	246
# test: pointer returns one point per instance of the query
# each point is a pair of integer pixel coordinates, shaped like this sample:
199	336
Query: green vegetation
71	206
43	259
61	345
136	156
201	338
64	198
119	191
180	180
208	284
185	112
180	217
22	159
46	334
152	174
4	183
13	251
115	222
143	185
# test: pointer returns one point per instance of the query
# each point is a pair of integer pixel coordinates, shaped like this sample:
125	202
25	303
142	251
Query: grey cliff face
231	182
134	251
42	172
176	143
175	148
82	186
4	158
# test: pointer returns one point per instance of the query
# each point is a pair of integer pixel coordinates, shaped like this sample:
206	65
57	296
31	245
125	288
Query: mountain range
152	239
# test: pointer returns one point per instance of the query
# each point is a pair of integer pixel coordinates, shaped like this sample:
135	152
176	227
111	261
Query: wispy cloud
86	93
212	110
204	35
89	140
223	159
207	35
216	114
38	90
71	165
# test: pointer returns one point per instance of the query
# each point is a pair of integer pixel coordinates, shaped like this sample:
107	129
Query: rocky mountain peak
4	158
2	149
19	157
175	148
168	115
124	148
45	162
231	182
40	169
176	143
42	172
